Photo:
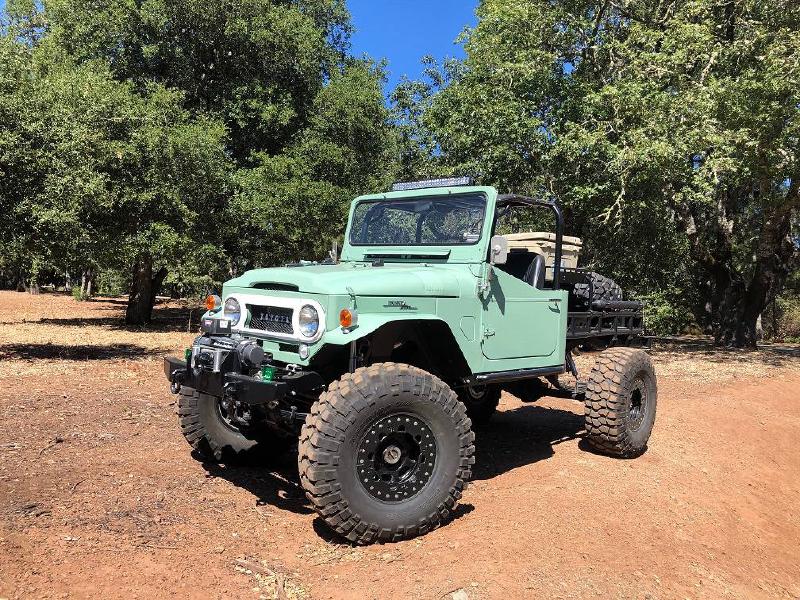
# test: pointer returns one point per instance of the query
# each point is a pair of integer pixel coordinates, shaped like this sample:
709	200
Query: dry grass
100	496
696	359
55	333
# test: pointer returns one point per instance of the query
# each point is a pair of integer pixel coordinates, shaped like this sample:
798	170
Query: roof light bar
432	183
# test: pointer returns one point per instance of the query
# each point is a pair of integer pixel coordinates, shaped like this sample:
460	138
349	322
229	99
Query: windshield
432	221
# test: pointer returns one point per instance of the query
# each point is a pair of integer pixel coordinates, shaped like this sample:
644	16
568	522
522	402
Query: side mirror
499	250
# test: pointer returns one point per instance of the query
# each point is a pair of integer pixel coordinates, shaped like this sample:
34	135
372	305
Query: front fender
369	323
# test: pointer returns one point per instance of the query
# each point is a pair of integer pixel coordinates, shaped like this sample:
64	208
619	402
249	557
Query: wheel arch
424	341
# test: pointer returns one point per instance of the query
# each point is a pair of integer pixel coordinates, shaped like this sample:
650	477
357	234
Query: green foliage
98	172
256	64
668	129
207	138
295	204
781	320
112	282
204	138
666	313
78	294
789	326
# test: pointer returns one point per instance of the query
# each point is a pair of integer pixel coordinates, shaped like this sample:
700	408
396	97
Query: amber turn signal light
213	302
347	318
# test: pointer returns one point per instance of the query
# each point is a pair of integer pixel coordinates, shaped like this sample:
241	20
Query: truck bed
611	320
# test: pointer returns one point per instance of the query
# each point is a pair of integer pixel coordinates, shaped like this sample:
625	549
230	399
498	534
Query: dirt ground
100	497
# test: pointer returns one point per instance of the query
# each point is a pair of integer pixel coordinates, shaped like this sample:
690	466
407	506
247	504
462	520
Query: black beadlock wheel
386	453
620	404
481	402
207	426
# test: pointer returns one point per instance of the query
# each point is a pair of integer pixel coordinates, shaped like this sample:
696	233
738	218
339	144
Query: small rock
460	595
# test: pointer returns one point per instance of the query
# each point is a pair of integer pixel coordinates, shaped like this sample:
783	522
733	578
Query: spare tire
604	288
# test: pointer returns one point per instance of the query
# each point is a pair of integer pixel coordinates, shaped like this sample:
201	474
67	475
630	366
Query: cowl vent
280	287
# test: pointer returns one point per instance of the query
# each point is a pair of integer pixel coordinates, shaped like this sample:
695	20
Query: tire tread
324	432
606	402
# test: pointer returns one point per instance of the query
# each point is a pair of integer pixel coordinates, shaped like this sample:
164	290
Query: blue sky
403	31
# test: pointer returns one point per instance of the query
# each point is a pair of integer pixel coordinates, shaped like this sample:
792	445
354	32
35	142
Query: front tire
620	404
386	453
213	438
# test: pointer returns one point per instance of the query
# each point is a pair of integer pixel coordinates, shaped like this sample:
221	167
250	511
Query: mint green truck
378	363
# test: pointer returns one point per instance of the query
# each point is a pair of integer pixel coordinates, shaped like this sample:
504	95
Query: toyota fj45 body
381	362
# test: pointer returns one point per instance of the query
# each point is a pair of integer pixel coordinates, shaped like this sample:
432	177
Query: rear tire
213	438
481	403
386	453
620	404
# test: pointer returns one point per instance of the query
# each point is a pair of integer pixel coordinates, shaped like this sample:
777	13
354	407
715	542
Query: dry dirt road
99	496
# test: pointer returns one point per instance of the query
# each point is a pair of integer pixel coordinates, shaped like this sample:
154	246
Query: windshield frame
431	198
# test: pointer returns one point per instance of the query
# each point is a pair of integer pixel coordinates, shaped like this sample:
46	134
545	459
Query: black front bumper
249	390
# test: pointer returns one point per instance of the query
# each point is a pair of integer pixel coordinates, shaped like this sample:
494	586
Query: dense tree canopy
175	143
181	142
668	127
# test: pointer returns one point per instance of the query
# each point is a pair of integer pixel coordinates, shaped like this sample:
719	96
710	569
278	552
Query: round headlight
309	321
232	310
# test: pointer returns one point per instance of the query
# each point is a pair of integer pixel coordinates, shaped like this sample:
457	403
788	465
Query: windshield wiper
406	254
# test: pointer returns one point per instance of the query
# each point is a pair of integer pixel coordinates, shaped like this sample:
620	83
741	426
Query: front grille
271	318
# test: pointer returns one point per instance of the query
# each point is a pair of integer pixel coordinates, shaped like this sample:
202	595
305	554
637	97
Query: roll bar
517	200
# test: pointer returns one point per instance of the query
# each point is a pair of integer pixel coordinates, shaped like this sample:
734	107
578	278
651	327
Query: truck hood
362	279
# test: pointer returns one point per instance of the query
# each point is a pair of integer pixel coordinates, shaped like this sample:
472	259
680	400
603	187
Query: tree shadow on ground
82	352
107	300
165	319
522	436
775	355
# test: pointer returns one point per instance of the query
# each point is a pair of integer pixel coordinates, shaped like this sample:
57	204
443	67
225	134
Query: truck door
521	321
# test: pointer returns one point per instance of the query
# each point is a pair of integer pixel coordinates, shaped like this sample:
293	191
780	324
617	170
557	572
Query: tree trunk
774	260
144	288
735	303
158	281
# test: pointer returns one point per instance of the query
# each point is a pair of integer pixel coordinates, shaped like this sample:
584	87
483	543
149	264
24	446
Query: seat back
534	276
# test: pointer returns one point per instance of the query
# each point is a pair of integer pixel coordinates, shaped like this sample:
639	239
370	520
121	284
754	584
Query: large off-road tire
216	440
620	404
386	453
604	288
481	403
